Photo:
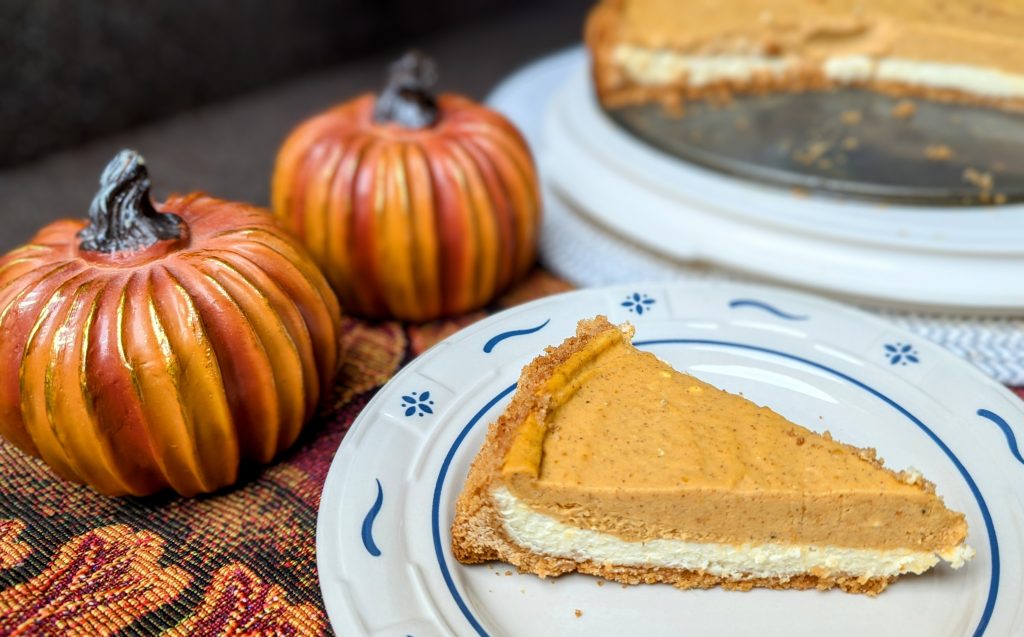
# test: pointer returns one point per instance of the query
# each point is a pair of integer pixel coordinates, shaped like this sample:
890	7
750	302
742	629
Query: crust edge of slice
478	534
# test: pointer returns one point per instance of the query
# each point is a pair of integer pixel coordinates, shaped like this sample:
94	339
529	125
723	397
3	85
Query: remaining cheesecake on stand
610	462
672	50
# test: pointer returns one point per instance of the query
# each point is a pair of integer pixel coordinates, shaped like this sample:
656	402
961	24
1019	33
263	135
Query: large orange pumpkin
150	349
414	207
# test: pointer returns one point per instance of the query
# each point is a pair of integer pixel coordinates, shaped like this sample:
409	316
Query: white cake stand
654	216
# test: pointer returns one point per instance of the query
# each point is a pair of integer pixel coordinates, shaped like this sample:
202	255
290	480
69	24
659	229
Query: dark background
208	90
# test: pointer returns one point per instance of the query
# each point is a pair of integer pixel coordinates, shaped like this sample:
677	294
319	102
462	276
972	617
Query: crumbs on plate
904	109
938	152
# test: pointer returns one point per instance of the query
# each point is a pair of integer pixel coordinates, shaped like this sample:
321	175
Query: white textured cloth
578	249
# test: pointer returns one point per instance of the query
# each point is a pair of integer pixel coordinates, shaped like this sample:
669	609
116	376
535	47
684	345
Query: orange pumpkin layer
167	367
412	223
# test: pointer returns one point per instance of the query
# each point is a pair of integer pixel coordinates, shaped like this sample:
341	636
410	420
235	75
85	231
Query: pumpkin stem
407	99
122	216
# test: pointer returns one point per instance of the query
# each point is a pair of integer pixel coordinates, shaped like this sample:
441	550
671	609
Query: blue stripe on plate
993	590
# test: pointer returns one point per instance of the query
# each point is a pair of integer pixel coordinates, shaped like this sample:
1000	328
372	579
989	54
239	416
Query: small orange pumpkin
150	349
414	207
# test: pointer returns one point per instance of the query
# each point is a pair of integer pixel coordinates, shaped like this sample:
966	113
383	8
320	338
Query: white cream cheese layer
545	535
655	67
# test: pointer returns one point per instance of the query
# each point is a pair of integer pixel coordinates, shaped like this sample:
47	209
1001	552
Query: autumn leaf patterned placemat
239	562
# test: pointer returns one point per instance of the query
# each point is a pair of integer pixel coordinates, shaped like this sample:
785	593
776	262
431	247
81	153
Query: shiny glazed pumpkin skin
411	223
168	366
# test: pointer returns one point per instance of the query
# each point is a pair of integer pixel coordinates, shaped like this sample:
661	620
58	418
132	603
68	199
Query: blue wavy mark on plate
371	516
1011	440
491	344
771	309
993	541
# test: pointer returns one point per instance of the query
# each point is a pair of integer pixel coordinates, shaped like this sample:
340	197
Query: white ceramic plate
382	541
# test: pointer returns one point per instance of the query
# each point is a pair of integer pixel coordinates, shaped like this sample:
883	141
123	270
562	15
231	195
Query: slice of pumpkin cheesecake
610	462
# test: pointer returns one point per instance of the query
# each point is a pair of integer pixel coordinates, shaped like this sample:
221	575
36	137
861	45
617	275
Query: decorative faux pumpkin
414	207
149	349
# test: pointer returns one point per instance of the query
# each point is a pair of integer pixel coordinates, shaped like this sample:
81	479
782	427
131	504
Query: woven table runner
240	562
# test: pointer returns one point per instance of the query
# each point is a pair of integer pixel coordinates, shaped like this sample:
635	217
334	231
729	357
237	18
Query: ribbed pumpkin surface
411	223
138	373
